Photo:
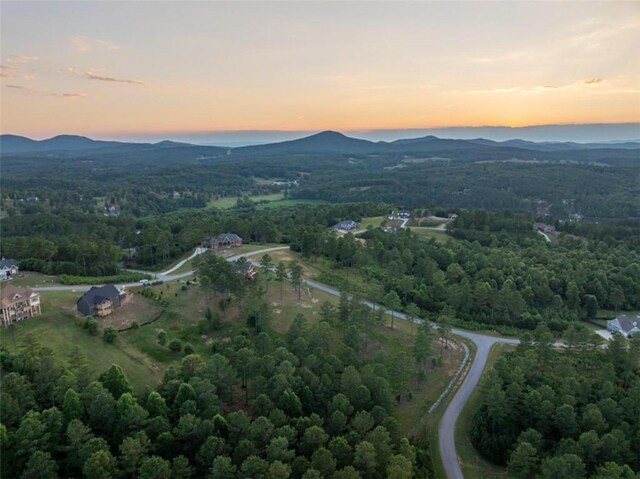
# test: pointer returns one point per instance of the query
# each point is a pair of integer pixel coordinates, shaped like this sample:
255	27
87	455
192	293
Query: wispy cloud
580	84
20	59
29	77
23	88
94	76
8	67
6	75
83	43
70	95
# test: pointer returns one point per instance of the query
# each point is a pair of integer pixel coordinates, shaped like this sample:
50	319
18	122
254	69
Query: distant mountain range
326	142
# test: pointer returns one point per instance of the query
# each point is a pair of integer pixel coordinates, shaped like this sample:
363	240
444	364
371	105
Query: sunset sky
112	69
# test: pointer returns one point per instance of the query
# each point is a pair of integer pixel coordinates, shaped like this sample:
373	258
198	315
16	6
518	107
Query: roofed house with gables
18	304
223	240
8	267
347	225
100	301
626	324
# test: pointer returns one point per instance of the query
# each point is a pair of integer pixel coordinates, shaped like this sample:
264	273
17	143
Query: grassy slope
230	201
292	202
59	330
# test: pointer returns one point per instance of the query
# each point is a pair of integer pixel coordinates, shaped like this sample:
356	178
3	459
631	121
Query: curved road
446	428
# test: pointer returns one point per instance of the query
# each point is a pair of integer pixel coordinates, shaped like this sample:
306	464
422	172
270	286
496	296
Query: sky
130	69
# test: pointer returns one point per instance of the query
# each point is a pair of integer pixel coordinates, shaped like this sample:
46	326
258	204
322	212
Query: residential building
223	240
100	301
8	267
545	228
625	324
18	304
347	225
245	267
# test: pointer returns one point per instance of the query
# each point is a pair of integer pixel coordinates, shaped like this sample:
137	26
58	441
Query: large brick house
18	304
223	240
100	301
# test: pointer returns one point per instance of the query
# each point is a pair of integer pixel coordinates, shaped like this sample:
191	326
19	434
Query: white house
627	325
8	267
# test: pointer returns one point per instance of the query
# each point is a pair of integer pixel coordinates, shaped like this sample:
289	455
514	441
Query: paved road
164	276
446	428
546	237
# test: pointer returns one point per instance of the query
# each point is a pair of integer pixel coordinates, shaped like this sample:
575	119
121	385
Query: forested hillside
569	414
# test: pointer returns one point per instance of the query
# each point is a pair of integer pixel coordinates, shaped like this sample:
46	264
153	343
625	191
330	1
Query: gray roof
628	322
346	224
96	295
8	263
228	237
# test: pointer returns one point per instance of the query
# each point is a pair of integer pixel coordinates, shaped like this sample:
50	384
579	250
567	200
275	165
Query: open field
473	464
439	236
231	201
373	221
32	279
291	202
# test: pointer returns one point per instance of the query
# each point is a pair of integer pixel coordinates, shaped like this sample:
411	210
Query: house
404	214
625	324
18	304
545	228
347	225
8	267
245	267
100	301
223	240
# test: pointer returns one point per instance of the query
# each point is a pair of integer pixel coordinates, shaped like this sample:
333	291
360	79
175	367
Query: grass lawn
474	465
373	221
439	236
32	279
292	202
231	201
59	330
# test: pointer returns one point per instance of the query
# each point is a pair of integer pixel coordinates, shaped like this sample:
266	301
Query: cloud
23	88
94	76
6	75
69	95
7	67
21	59
580	84
73	70
83	43
29	77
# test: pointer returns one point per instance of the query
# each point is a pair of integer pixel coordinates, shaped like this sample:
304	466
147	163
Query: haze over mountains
329	142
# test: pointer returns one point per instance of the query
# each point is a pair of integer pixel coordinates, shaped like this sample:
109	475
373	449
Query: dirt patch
134	308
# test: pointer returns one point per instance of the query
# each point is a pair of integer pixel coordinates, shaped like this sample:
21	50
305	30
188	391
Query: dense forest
498	272
563	414
138	181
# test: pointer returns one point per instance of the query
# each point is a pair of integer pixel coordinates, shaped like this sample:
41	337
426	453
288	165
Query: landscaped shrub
175	345
91	325
110	334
